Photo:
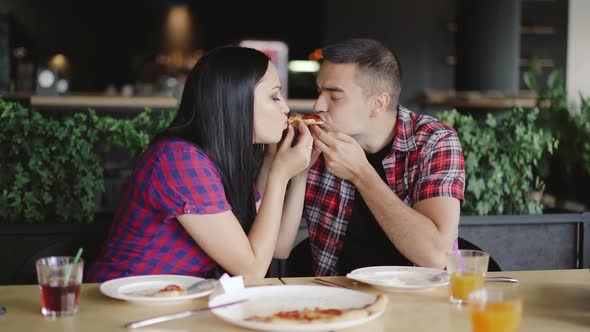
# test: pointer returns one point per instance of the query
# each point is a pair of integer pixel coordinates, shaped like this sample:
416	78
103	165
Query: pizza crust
307	119
323	315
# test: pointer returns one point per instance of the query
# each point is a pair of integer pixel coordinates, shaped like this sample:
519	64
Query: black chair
299	261
493	266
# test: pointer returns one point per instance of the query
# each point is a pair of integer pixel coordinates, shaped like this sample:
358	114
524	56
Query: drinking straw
76	259
459	258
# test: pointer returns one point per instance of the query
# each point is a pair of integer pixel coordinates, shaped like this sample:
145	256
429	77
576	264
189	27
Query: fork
202	285
443	275
328	283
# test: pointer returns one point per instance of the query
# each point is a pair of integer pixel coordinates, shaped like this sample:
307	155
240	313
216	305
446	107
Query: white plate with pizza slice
400	278
153	289
299	308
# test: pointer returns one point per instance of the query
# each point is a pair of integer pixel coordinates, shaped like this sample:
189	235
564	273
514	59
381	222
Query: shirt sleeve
185	181
442	168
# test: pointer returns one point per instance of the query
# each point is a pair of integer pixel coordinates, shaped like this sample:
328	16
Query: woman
192	205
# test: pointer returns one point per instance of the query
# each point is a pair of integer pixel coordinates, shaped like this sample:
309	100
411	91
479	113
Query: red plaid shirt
425	161
172	178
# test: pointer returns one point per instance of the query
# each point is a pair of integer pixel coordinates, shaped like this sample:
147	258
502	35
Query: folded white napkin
231	284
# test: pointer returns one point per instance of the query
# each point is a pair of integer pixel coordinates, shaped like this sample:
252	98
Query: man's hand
344	157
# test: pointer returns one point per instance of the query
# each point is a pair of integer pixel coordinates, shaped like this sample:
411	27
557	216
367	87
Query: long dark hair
216	114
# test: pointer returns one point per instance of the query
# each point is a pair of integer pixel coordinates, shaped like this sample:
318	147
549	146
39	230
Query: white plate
396	278
137	289
267	300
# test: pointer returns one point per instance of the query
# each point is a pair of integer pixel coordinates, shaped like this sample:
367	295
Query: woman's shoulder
174	147
179	151
174	144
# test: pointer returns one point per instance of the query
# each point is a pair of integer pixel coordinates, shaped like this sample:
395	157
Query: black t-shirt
365	243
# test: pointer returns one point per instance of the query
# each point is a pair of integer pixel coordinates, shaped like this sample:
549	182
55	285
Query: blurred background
146	47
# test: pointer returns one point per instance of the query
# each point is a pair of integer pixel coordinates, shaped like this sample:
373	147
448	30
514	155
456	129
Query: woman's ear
380	104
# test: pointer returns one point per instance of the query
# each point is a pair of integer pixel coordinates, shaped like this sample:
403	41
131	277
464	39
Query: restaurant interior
511	77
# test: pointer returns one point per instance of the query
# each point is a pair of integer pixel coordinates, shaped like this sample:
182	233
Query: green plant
567	173
569	122
133	134
49	166
501	155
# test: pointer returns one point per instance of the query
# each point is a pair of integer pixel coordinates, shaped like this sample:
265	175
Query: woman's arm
221	236
292	213
270	150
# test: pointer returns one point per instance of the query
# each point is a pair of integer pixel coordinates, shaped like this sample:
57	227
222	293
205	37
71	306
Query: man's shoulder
424	127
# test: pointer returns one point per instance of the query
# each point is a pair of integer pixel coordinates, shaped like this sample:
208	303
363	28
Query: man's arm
423	234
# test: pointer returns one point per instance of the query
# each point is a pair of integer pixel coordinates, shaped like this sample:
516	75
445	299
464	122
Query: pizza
306	119
171	290
323	315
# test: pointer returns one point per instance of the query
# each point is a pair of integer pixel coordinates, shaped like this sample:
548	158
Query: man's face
341	103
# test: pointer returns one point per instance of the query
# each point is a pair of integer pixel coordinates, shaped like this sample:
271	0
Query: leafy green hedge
567	172
501	157
50	168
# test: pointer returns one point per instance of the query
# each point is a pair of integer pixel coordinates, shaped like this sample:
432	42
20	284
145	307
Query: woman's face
270	109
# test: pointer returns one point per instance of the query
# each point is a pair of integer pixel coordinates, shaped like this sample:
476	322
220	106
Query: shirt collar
404	140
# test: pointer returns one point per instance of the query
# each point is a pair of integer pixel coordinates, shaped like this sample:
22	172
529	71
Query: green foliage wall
501	157
50	169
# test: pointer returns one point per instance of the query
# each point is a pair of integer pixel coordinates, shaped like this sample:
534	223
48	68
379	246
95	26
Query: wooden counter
477	99
113	102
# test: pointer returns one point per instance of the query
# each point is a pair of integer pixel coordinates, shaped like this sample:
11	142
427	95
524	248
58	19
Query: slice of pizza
323	315
307	119
171	290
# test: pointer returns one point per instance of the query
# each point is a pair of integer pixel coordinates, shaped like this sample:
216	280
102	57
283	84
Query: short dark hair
378	67
216	114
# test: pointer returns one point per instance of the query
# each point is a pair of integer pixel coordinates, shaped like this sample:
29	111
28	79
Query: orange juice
463	284
496	317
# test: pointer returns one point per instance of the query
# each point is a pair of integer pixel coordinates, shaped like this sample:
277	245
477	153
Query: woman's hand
270	151
292	160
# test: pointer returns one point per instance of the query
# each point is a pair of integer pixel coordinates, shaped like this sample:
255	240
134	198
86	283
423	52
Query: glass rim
508	294
58	260
468	253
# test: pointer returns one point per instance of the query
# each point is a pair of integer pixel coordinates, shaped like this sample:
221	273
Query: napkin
231	284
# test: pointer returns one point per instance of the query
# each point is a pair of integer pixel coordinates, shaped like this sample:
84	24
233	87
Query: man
388	185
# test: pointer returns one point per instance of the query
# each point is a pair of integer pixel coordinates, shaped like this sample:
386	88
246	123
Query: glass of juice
59	280
497	309
467	270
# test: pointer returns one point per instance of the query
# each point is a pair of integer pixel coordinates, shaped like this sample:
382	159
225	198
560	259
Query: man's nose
319	105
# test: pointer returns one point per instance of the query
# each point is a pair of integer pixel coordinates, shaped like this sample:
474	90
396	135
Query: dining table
554	300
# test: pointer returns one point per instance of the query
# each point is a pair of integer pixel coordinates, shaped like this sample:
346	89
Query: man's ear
380	104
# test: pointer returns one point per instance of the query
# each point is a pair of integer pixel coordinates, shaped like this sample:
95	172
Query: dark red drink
58	298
